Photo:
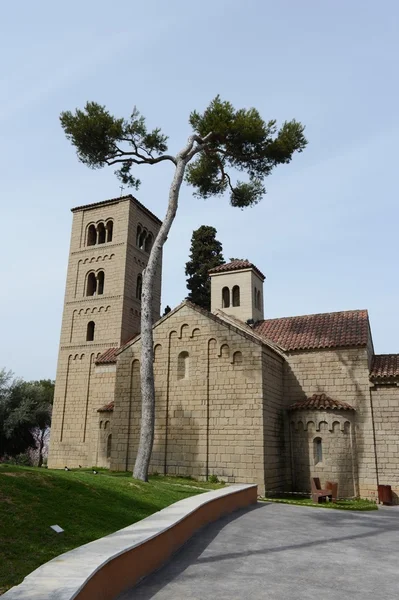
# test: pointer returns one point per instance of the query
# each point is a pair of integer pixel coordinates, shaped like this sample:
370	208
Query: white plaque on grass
57	528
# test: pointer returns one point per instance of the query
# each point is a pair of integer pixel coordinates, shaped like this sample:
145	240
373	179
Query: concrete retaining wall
104	568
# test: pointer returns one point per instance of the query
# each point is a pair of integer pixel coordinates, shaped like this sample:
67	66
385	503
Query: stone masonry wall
75	422
247	280
335	430
80	390
342	374
273	421
208	401
385	400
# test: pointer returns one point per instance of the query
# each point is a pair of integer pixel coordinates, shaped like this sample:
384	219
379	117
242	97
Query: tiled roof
109	356
107	408
329	330
115	201
320	401
385	365
236	265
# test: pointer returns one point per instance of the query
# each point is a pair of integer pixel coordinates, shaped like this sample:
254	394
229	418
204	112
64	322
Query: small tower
237	290
110	246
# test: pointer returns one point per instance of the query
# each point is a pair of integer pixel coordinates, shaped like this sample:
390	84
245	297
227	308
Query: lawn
85	505
355	504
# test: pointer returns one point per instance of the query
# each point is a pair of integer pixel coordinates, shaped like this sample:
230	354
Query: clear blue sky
325	234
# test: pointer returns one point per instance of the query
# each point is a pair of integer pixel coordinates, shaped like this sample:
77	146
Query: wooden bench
333	486
318	494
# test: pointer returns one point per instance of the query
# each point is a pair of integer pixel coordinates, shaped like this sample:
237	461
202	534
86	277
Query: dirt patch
5	499
189	487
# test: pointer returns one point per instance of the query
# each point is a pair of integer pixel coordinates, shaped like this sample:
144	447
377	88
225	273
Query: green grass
357	504
85	505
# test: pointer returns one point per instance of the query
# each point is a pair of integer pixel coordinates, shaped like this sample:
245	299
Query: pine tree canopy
225	141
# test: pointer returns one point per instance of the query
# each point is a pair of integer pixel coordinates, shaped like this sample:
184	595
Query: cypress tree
206	253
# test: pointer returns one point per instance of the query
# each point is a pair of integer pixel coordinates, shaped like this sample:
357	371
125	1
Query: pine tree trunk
41	444
147	346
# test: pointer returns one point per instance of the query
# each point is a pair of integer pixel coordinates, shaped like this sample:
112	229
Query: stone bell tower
110	245
237	290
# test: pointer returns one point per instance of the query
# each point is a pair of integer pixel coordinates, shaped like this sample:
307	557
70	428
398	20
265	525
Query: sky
325	234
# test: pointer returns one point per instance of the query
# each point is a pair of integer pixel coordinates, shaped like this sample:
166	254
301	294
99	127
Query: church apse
323	445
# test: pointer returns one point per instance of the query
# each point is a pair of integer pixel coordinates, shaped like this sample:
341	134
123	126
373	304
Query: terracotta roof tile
109	356
328	330
107	408
319	402
385	366
236	265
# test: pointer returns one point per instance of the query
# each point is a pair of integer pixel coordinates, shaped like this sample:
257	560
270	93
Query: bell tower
237	290
110	246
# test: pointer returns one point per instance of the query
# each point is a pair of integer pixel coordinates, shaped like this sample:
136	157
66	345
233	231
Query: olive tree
224	143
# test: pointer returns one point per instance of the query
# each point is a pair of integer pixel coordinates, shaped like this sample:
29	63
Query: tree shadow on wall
297	447
359	398
185	454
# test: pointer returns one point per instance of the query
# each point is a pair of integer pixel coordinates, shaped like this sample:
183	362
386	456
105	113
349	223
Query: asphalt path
284	552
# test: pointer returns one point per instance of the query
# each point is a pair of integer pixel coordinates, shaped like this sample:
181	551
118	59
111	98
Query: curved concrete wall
104	568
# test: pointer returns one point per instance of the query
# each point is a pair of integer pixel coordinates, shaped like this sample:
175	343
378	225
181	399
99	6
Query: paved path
281	552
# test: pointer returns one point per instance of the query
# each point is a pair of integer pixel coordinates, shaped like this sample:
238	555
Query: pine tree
224	144
206	253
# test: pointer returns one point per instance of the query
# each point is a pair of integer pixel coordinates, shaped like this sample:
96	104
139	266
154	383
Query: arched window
138	234
91	235
148	243
225	297
139	286
256	297
106	424
91	286
101	233
100	282
236	295
237	358
182	365
259	301
90	331
109	445
142	239
110	230
224	351
318	450
101	424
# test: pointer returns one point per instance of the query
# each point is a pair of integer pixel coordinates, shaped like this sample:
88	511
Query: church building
248	399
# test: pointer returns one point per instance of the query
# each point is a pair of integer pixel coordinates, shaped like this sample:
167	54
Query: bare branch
204	140
143	161
188	152
146	151
191	151
223	172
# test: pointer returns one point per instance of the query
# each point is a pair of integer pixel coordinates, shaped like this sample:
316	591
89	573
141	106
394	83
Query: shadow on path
186	556
191	553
